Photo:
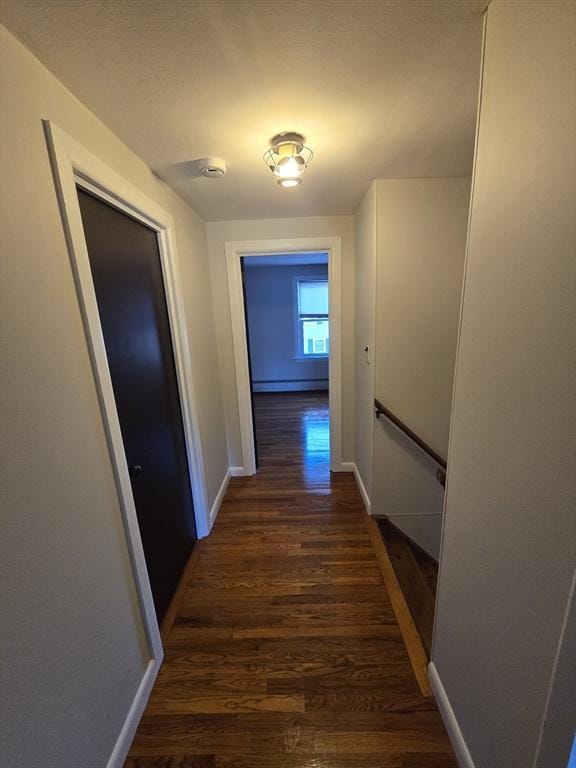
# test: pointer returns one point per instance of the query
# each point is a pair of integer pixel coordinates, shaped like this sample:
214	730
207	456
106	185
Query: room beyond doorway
286	301
276	250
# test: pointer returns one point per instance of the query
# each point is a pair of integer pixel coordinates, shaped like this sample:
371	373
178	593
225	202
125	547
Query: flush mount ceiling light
288	158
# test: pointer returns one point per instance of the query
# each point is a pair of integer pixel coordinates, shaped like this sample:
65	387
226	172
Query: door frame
73	165
235	250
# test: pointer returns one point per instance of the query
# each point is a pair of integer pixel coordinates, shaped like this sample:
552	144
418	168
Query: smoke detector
210	167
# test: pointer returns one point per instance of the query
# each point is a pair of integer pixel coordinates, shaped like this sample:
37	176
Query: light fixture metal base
288	137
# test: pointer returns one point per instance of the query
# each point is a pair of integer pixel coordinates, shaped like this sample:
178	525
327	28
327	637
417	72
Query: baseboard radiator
290	385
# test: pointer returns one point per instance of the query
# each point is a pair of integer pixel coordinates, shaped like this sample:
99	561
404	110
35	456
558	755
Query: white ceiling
380	88
286	260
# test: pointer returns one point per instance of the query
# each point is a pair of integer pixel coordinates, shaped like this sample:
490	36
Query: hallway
286	652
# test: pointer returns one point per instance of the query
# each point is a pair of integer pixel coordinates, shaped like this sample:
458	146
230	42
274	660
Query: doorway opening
307	332
287	322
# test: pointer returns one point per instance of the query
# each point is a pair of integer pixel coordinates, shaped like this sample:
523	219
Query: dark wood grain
286	652
417	578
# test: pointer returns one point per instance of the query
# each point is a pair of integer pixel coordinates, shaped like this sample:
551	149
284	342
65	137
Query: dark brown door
127	274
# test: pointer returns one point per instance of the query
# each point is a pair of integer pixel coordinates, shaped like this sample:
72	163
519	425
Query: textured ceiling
383	88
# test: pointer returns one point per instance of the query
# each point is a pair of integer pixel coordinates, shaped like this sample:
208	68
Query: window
313	337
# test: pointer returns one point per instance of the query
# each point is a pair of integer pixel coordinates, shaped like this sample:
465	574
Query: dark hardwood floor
417	575
286	652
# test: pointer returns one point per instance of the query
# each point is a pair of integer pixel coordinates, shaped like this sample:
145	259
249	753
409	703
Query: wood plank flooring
285	652
417	576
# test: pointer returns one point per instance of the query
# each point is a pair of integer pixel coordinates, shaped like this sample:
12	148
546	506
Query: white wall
509	543
269	229
558	737
364	331
421	242
73	648
271	304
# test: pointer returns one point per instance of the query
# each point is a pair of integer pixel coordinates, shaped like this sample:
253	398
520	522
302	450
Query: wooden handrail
381	410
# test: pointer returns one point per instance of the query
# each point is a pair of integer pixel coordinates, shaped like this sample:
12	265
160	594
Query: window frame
299	353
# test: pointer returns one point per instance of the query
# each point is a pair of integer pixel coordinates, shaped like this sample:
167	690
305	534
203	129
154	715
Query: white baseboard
350	466
120	751
449	718
362	489
238	472
219	497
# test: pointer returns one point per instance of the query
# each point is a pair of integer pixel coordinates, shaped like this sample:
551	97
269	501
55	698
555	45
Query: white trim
234	251
67	157
449	718
411	514
238	472
72	165
219	497
347	466
548	733
448	483
372	341
120	751
362	489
